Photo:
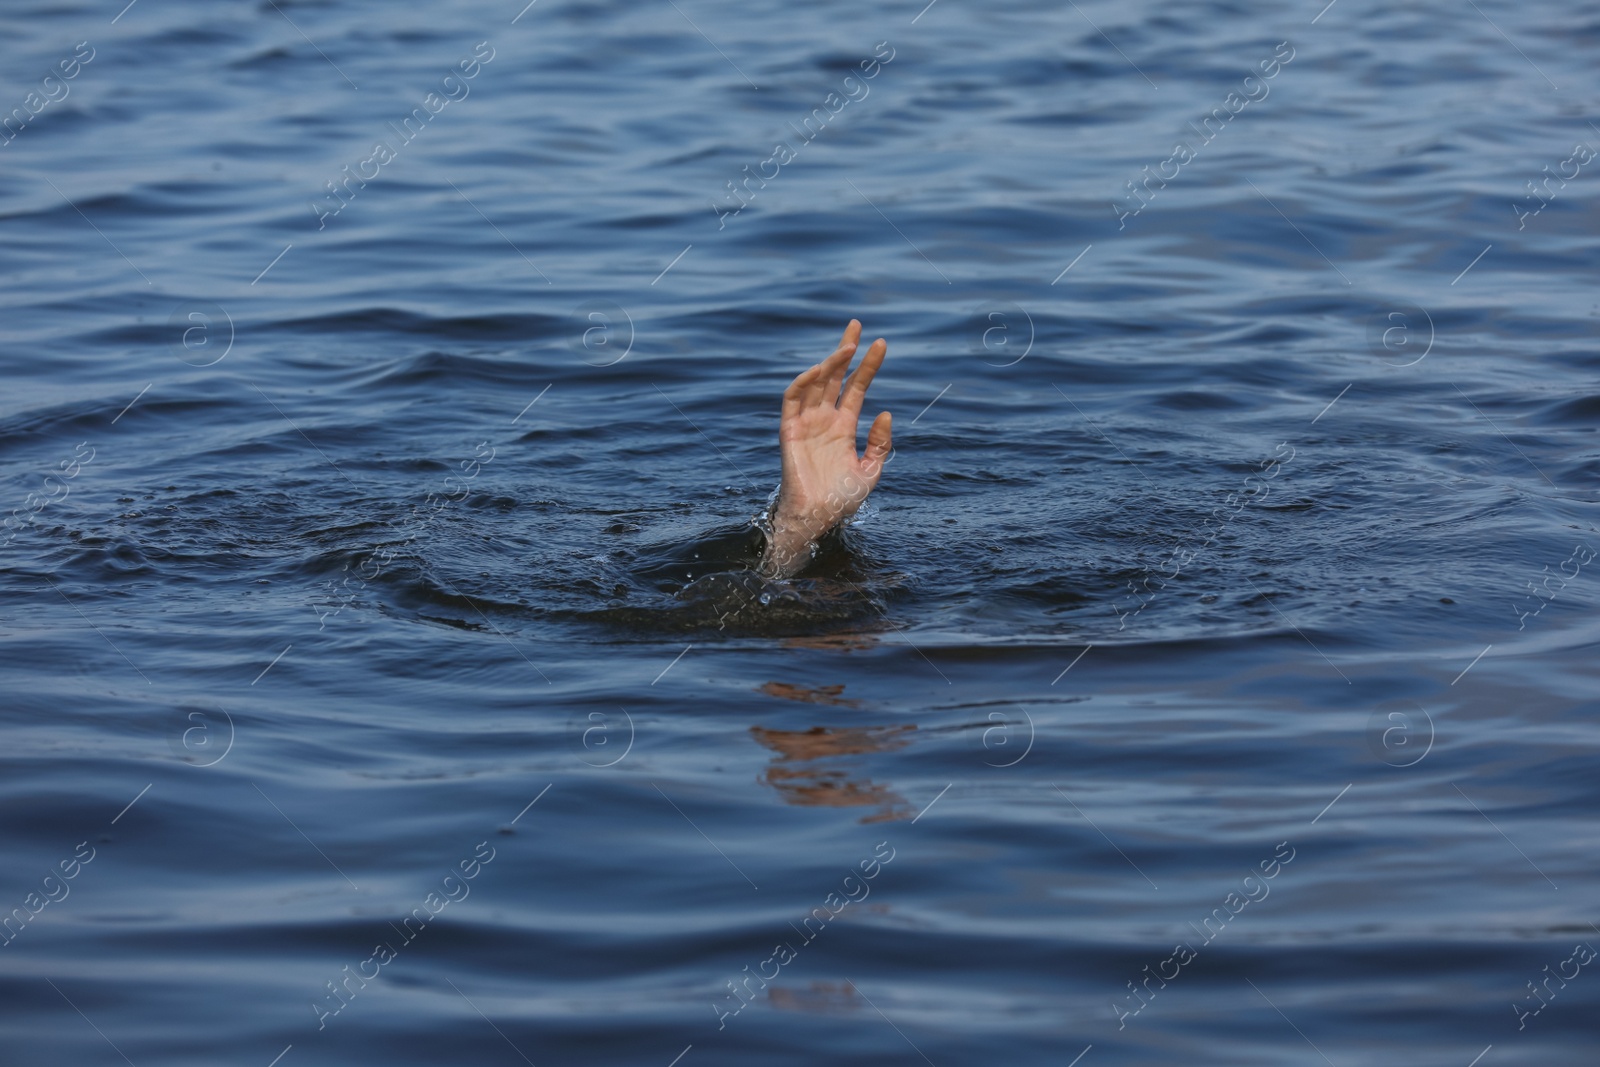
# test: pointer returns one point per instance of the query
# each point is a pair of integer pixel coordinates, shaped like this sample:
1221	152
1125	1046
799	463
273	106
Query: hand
824	481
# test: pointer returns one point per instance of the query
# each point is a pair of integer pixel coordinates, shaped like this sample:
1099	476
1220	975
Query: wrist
792	537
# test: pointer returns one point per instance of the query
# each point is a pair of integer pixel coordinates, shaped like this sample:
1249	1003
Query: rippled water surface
388	391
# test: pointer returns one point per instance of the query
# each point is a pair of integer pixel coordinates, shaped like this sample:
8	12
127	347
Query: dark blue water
1211	679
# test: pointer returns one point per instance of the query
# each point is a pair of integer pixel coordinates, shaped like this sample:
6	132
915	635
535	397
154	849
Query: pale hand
824	481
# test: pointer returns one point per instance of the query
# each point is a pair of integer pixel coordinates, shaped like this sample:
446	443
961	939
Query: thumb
878	444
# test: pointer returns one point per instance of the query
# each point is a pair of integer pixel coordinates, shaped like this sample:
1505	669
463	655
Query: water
387	552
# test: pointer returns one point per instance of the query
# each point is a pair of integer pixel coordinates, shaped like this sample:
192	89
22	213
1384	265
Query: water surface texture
386	393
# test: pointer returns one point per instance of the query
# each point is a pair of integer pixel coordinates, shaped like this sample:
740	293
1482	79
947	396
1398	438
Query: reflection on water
822	694
838	642
828	998
830	784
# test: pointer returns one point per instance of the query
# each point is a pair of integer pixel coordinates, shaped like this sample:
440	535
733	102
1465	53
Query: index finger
855	390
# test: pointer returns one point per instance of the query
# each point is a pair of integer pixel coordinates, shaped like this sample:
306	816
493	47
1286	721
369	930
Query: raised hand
824	480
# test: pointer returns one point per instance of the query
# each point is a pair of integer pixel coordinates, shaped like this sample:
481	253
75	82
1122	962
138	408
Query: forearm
791	540
799	520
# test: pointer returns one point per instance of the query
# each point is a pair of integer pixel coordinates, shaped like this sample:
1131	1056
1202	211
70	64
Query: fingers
855	391
794	396
824	381
851	335
878	444
818	384
834	367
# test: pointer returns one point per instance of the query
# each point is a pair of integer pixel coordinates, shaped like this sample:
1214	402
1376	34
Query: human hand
824	481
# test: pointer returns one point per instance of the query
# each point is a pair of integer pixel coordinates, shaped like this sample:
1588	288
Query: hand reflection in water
801	781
